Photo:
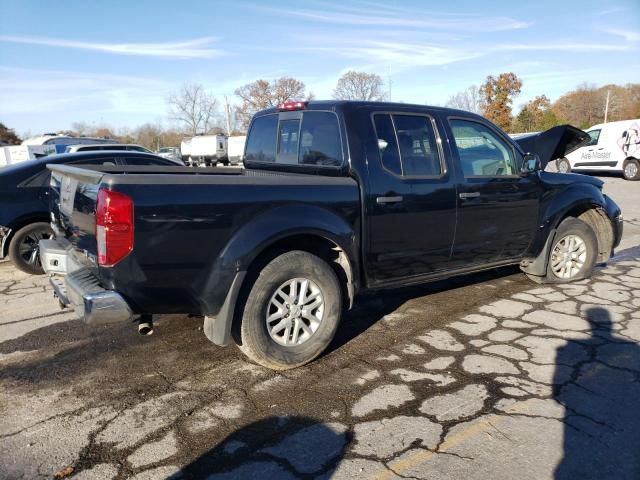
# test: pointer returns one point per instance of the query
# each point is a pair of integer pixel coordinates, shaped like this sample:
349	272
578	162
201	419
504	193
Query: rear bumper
80	289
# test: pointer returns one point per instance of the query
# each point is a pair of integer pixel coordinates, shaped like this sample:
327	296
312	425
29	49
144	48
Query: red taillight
288	106
114	226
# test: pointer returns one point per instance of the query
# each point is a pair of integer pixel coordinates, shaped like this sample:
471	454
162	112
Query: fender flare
576	196
253	239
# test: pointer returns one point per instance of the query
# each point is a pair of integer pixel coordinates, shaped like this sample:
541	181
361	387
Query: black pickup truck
336	198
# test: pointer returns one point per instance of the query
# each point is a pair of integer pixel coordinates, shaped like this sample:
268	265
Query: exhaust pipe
145	325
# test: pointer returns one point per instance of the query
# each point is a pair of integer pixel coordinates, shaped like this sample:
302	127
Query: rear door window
407	145
387	144
418	148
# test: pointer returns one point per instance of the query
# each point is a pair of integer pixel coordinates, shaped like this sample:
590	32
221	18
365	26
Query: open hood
554	143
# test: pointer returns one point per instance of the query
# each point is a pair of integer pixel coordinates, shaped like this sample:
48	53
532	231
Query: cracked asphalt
487	376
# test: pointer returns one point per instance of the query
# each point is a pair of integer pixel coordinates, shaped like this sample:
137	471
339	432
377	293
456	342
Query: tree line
583	107
196	111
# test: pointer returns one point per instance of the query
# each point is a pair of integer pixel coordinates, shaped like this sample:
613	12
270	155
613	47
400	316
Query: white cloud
628	35
24	91
384	16
196	48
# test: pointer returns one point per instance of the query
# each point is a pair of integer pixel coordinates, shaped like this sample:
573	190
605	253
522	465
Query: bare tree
468	99
263	94
193	107
80	128
359	86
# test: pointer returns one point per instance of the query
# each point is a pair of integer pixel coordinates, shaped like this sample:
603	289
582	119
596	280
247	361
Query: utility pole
606	107
227	113
389	81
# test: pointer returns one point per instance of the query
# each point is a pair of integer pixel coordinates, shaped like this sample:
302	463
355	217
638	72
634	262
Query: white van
614	147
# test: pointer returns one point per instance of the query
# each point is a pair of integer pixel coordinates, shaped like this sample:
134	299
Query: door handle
466	195
383	200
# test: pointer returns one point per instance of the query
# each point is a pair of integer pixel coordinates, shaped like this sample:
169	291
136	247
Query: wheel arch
583	201
19	223
309	228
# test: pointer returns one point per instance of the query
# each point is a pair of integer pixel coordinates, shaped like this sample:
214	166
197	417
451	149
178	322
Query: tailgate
73	197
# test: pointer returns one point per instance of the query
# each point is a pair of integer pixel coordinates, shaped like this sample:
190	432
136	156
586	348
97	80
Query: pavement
486	376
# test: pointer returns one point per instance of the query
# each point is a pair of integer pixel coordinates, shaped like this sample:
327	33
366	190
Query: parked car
60	142
613	147
336	198
24	205
171	153
130	147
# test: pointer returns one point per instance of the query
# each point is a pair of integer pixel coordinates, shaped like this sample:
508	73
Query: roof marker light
290	106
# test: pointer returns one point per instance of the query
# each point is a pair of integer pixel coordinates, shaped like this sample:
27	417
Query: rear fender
226	278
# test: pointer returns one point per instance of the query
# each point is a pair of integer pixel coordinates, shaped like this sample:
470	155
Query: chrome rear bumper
80	289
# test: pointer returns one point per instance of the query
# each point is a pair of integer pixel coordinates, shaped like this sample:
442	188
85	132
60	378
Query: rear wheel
23	249
292	311
631	169
573	253
564	166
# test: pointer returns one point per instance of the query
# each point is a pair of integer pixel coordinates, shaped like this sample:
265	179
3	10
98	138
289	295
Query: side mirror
531	163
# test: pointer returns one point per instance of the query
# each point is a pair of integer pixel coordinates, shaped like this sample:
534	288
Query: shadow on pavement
275	448
602	401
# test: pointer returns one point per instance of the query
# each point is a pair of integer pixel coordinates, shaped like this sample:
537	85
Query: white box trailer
235	149
22	153
204	150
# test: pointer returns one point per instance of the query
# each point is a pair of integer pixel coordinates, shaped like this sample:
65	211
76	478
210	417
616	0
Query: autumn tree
193	107
585	106
359	86
263	94
496	97
8	136
468	99
535	116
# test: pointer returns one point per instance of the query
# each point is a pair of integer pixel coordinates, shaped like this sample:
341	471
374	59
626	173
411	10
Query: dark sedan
24	205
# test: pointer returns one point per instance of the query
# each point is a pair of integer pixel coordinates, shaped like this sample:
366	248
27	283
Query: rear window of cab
304	138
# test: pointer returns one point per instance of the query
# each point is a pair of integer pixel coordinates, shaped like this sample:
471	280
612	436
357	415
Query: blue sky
115	62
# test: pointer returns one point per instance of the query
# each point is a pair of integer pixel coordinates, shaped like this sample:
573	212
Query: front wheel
564	166
574	252
631	170
23	249
292	311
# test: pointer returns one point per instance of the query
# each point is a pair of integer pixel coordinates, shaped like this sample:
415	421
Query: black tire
572	227
564	166
255	340
23	248
629	172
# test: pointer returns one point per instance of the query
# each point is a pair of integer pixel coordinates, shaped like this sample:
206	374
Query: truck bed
187	221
